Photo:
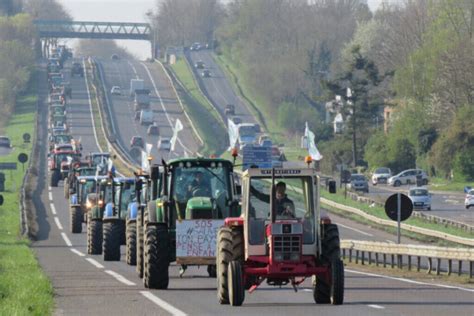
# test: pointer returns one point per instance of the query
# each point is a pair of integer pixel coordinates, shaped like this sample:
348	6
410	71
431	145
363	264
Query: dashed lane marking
95	263
50	194
77	252
166	306
411	281
53	208
58	223
120	278
66	240
376	306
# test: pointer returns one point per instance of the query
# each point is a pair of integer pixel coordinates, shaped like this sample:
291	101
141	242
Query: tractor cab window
125	195
293	201
86	188
201	181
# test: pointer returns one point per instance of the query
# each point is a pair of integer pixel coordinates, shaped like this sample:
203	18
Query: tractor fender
132	210
109	210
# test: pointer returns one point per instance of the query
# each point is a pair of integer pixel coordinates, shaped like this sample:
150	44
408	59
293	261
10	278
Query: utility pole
350	101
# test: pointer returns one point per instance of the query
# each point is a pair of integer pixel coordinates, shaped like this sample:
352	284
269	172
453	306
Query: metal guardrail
356	250
417	214
415	229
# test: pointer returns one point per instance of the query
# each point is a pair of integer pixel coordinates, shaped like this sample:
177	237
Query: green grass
380	213
204	115
440	184
24	289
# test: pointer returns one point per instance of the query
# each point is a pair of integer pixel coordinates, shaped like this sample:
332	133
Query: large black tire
94	235
139	247
76	216
111	241
131	249
229	248
156	258
212	271
330	253
337	282
123	234
235	281
55	176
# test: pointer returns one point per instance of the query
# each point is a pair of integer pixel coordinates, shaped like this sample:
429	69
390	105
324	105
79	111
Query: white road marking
77	252
53	208
134	69
119	277
307	290
356	230
66	240
411	281
376	306
50	194
58	223
166	306
95	263
49	188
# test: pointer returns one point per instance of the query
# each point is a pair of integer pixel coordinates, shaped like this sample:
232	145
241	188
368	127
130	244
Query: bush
464	165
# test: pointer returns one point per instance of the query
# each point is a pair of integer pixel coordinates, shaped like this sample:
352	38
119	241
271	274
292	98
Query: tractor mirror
238	189
332	186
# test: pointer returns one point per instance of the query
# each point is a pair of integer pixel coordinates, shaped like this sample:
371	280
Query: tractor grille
287	248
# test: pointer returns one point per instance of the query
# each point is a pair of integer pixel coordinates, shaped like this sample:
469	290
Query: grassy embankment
24	289
205	117
440	184
380	213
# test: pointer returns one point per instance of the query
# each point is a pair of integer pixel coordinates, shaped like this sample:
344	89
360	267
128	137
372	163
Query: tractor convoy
262	225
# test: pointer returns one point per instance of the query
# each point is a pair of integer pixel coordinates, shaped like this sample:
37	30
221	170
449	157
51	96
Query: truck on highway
136	84
142	99
247	134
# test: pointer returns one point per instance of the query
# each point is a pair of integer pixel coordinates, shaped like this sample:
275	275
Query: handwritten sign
197	238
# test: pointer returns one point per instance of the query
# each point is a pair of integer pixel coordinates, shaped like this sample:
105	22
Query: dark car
137	141
236	120
206	73
199	64
77	70
229	109
5	141
359	182
153	130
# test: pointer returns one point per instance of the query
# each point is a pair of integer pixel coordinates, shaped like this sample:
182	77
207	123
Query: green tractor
80	201
95	216
181	225
147	186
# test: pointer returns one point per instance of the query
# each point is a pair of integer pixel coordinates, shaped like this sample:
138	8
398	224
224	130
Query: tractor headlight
278	256
88	204
101	203
295	257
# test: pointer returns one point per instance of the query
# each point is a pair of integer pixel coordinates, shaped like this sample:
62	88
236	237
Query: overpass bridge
52	29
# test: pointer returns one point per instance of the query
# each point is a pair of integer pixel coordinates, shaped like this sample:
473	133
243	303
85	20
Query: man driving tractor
283	205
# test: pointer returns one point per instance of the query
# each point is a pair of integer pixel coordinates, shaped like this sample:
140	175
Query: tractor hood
199	208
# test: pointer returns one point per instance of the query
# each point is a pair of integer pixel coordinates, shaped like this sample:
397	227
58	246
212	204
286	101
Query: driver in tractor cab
283	205
199	186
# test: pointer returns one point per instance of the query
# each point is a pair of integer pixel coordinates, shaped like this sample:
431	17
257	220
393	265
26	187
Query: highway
217	87
86	284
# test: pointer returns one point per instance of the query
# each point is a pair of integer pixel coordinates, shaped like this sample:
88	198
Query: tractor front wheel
337	282
131	249
94	235
235	282
156	258
139	245
229	248
111	241
76	217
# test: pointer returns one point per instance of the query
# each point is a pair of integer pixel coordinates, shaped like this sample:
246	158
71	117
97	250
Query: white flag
178	127
312	150
233	130
145	162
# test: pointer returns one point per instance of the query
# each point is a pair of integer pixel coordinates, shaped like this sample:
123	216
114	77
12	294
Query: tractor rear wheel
94	235
55	177
123	233
131	249
111	241
76	217
156	258
330	253
229	248
235	282
139	245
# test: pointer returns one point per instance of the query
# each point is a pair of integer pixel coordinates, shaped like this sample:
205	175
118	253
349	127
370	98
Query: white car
116	90
420	198
164	143
469	201
408	177
381	175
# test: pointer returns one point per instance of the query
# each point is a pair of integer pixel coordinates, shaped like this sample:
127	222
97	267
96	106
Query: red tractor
280	237
59	163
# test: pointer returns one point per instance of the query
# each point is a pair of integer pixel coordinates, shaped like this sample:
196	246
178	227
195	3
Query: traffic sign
7	165
26	138
255	155
22	157
391	207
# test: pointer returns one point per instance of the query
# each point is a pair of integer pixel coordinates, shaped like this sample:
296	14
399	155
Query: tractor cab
280	237
100	160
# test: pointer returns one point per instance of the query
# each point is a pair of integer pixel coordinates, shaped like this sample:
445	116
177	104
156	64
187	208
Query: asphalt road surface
86	284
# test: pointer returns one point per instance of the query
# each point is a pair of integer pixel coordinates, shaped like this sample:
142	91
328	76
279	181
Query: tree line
414	57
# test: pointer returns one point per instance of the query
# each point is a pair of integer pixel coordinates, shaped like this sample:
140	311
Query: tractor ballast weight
281	240
187	206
